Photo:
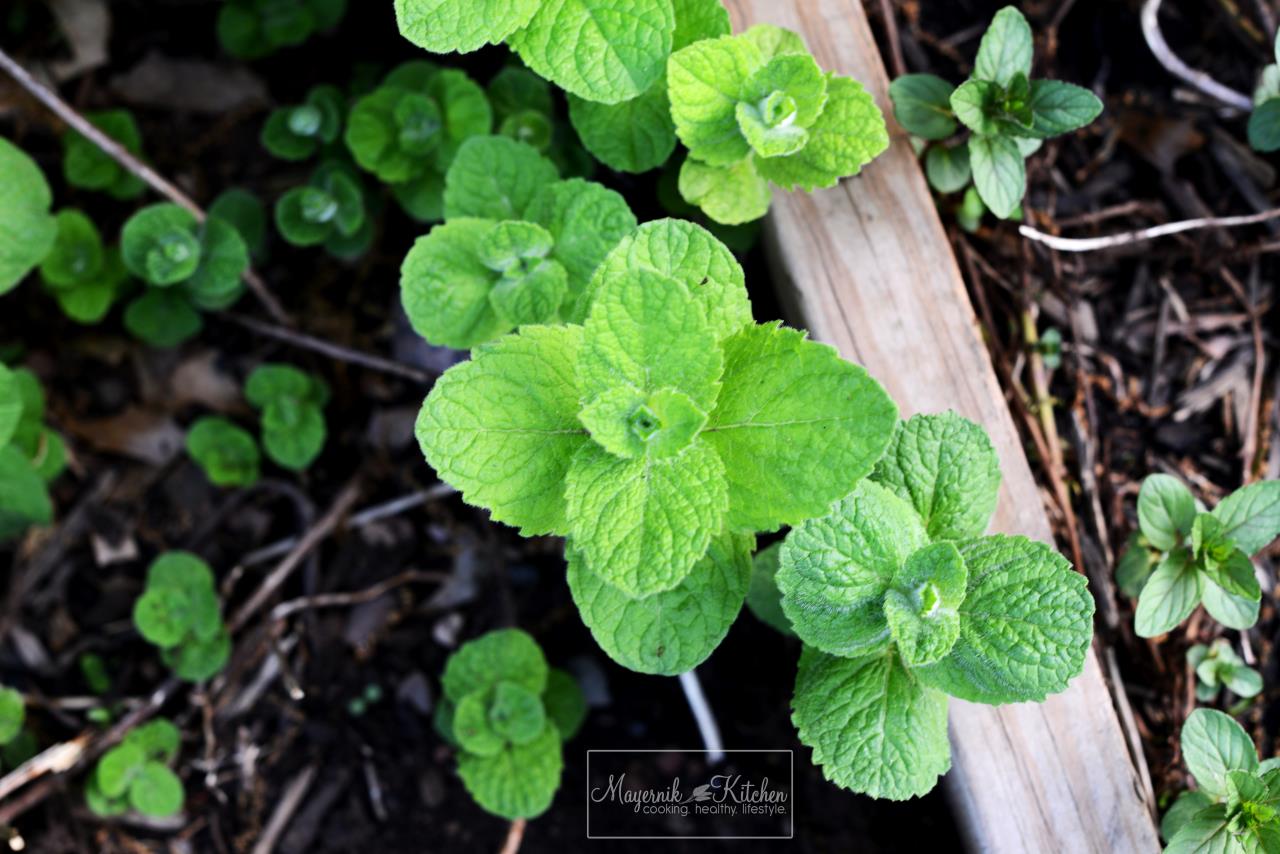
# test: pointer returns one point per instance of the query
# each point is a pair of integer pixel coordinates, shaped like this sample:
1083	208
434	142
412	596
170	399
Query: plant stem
703	716
1125	238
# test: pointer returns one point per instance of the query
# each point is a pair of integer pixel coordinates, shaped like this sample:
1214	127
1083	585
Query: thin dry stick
1175	66
121	155
328	348
312	538
294	793
515	834
357	597
1126	238
891	36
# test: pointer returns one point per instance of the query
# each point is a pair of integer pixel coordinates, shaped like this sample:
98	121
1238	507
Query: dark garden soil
1159	369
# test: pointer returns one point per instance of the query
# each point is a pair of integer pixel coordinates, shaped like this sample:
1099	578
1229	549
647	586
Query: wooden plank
867	267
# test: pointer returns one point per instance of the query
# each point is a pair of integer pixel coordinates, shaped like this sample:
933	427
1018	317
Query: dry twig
1175	66
1126	238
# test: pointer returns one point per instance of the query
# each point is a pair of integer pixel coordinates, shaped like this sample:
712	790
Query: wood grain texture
866	266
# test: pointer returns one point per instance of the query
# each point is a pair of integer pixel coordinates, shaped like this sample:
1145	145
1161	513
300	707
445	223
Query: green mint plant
298	132
82	274
1217	667
1235	808
755	109
188	266
900	601
252	29
519	246
657	436
180	613
1186	556
764	599
1006	114
524	110
408	130
292	404
508	713
31	454
246	213
137	774
86	166
1264	121
26	225
226	453
328	210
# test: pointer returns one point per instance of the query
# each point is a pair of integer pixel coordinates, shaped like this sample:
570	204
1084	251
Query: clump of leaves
298	132
1235	808
524	110
900	601
508	714
657	436
1007	115
1185	556
227	453
246	213
408	130
82	274
137	774
87	166
188	266
31	454
329	210
292	404
179	612
1217	667
519	246
28	227
252	29
1264	121
755	109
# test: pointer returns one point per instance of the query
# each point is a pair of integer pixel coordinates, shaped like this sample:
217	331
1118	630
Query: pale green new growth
136	774
180	612
1218	667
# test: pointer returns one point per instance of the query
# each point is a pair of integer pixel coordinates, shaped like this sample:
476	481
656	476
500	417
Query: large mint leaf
922	601
874	728
706	80
27	230
505	655
1234	612
796	426
445	26
1170	594
730	195
520	780
835	570
631	136
503	427
1058	108
947	468
1166	511
1207	833
671	632
1025	624
998	173
1005	49
1251	515
587	220
922	105
697	20
1213	745
445	286
849	134
691	255
601	50
495	177
646	332
642	524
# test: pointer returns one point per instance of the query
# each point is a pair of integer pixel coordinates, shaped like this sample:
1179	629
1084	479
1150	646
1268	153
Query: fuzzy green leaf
998	173
1166	511
795	425
763	596
196	660
117	769
674	631
874	728
922	105
445	286
446	26
27	231
515	89
24	499
159	739
246	213
156	791
516	714
293	433
86	165
160	245
471	727
1213	745
1005	49
947	167
226	453
394	133
464	109
12	714
922	601
1251	515
587	220
520	780
163	616
706	81
774	41
601	50
504	427
216	282
496	178
631	136
566	706
505	655
77	256
1025	624
947	468
729	195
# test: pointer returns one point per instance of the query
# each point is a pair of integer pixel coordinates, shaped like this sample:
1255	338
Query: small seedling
252	29
292	405
900	601
188	266
17	745
82	274
508	714
179	612
328	210
25	200
1217	667
31	454
524	110
1264	121
298	132
137	774
227	453
246	213
1235	808
87	166
1007	115
1186	556
519	246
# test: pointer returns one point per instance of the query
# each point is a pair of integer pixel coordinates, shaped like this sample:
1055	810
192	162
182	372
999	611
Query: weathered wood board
867	267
